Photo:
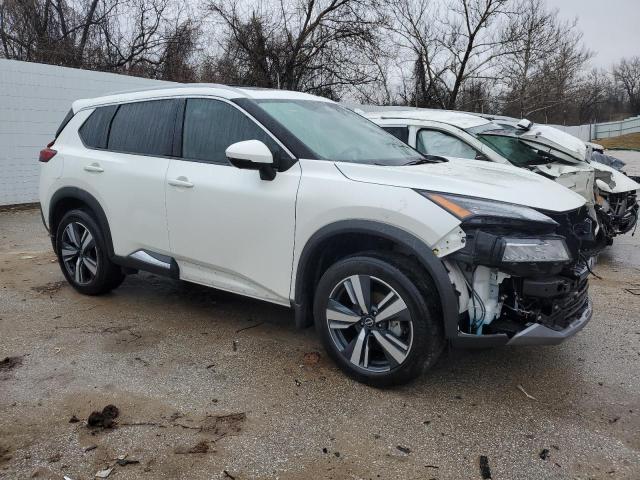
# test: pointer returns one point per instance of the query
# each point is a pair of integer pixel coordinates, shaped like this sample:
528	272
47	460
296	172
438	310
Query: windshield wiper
426	159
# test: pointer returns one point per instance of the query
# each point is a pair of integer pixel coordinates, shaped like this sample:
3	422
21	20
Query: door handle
94	167
181	182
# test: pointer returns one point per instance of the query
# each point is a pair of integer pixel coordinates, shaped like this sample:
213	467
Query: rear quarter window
144	128
401	133
95	130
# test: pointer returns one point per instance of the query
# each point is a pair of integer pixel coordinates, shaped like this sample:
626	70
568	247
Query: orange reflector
449	205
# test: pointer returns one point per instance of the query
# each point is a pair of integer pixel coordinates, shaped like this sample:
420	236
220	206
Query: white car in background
292	199
545	151
619	194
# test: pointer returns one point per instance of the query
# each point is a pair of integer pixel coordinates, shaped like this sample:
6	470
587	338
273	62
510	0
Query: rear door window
210	126
434	142
95	130
144	128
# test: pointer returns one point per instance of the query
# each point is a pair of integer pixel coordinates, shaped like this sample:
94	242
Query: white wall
583	132
615	129
603	130
34	98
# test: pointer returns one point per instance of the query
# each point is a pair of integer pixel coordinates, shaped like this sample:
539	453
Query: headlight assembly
518	250
480	211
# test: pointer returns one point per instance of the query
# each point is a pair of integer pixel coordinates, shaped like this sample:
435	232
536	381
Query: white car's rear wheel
82	254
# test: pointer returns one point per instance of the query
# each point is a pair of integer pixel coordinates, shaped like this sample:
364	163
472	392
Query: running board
150	262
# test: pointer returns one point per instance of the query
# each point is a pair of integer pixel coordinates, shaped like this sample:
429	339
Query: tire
399	337
96	274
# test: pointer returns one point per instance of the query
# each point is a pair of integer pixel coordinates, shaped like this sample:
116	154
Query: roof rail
170	85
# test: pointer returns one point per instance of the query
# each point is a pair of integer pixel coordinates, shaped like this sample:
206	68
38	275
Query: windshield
509	146
335	133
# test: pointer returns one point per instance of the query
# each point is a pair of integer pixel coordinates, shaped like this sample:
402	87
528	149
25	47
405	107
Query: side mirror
252	155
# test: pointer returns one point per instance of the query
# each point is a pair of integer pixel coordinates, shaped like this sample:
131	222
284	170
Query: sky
611	28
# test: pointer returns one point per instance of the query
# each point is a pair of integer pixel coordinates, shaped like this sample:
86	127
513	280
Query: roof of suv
461	120
193	89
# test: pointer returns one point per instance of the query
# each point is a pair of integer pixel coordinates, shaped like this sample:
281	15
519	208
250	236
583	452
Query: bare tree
415	30
543	72
127	36
627	75
535	34
320	46
176	62
450	45
472	44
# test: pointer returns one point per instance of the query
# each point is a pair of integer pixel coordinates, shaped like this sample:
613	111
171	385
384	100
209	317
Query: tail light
48	153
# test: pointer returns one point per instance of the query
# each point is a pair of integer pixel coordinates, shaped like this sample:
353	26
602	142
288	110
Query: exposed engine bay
500	292
618	213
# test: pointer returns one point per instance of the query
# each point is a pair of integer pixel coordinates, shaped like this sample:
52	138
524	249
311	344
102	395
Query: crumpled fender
620	183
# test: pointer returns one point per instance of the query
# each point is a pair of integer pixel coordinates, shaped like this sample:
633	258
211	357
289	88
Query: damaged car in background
618	192
462	135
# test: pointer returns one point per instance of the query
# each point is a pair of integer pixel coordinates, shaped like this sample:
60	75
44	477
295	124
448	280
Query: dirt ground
631	141
211	385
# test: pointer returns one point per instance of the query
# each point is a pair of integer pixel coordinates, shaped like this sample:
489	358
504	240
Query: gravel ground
211	385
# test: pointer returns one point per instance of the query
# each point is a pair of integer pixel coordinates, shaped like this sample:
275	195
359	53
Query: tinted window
210	126
144	127
95	129
433	142
401	133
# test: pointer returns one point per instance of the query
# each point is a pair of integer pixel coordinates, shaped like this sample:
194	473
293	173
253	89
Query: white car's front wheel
378	319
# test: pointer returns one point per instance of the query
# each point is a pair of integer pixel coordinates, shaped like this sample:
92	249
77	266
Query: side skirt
150	262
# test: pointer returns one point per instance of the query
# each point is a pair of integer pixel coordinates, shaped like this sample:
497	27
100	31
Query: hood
565	146
493	181
618	183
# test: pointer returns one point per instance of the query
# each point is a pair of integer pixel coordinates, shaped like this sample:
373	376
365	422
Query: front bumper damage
538	334
620	214
541	303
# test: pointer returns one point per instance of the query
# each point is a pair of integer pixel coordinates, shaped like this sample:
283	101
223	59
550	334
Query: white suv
293	199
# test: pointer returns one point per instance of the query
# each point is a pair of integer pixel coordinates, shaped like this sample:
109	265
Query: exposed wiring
477	323
586	264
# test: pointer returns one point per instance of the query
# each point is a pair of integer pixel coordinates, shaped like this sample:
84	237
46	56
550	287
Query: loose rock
104	419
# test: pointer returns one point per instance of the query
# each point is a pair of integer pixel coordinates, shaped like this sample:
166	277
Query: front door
228	228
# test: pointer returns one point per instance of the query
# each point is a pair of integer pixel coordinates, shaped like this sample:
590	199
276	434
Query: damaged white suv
293	199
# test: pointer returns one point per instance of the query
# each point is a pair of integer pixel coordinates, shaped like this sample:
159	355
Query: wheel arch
68	198
310	264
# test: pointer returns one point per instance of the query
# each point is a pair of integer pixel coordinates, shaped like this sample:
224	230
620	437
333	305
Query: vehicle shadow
472	373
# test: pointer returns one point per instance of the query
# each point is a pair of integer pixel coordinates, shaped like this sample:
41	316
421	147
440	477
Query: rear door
228	228
124	164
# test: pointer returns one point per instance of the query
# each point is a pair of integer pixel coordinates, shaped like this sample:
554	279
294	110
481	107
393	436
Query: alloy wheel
369	323
79	253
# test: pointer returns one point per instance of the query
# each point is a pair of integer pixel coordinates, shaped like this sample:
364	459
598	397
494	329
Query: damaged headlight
517	250
478	211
